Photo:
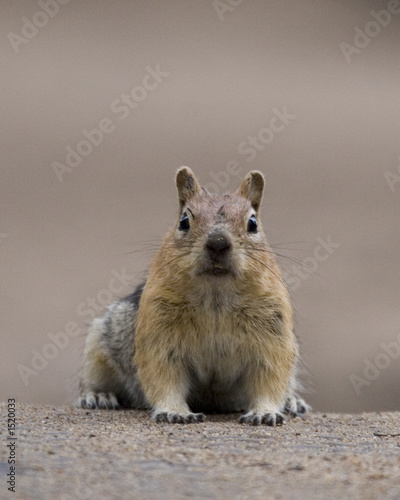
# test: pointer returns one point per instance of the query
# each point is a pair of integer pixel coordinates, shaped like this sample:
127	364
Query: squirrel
210	330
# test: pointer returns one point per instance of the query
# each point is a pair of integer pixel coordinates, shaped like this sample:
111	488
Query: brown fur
214	326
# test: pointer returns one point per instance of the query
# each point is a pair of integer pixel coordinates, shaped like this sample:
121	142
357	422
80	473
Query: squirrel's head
219	235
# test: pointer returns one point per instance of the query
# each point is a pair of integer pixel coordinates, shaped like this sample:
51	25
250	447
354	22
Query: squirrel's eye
184	224
252	225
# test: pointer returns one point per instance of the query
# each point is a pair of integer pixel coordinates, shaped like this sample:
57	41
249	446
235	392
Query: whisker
267	267
150	246
300	264
290	243
182	254
292	259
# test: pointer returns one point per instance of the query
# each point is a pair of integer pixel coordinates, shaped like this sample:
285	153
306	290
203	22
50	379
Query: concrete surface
66	453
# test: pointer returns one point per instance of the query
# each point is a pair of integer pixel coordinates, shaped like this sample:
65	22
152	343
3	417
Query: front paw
177	418
98	400
270	418
296	407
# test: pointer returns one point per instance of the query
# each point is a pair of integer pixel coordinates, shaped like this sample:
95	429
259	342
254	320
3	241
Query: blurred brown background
227	68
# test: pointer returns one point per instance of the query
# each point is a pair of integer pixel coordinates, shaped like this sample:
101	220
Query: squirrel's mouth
215	270
218	271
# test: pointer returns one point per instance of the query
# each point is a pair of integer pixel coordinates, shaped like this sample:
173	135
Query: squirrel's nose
218	243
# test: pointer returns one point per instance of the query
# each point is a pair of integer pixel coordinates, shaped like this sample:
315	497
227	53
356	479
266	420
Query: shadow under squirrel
211	328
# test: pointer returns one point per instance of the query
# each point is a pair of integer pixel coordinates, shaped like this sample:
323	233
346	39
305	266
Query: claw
177	418
296	407
255	418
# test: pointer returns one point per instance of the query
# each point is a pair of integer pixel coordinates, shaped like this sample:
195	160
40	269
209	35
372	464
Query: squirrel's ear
252	188
187	185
